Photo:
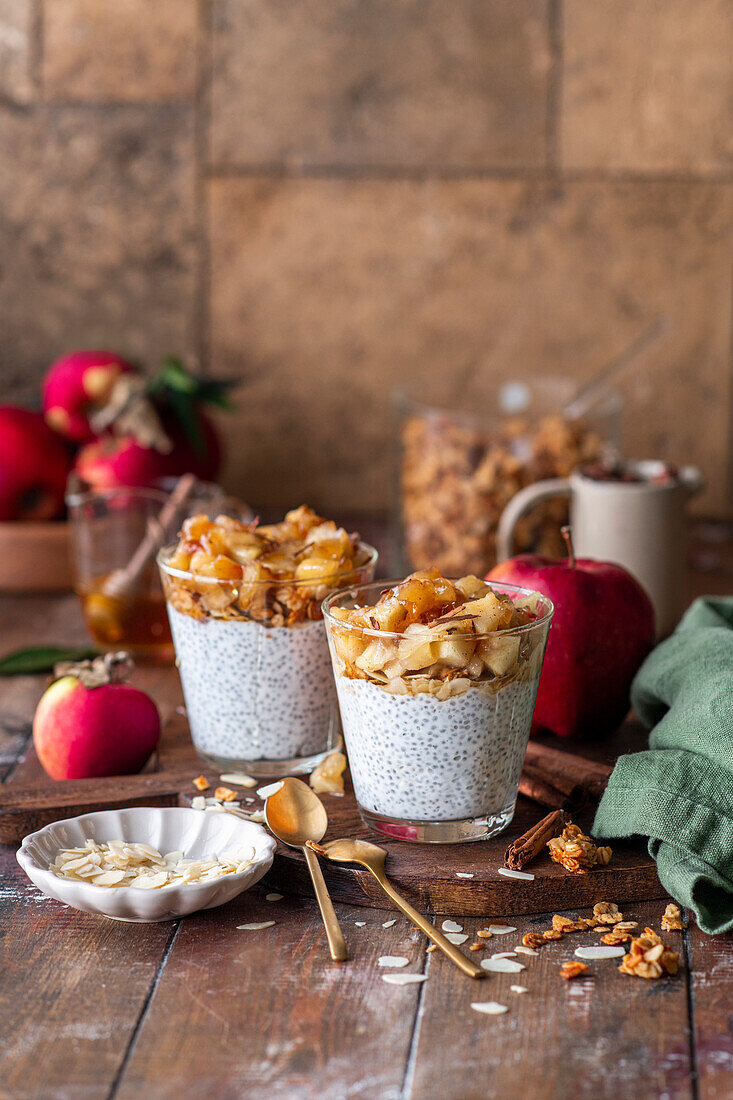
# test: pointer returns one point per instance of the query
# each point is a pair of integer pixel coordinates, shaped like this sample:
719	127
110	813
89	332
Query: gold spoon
296	815
370	856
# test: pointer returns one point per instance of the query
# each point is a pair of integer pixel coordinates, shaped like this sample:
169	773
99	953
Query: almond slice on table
451	926
509	872
489	1008
501	929
599	952
238	779
456	937
502	966
392	960
403	979
257	926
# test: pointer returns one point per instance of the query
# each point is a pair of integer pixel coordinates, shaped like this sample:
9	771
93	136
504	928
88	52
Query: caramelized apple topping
430	634
277	574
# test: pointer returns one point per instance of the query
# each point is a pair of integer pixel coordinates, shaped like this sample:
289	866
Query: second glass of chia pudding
244	603
437	681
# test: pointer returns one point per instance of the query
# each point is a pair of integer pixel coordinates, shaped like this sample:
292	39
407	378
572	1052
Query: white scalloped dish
197	833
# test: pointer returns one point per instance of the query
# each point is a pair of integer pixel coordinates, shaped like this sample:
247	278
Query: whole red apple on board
34	465
602	630
76	385
81	731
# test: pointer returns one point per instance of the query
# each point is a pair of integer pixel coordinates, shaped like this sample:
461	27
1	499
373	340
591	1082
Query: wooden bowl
36	557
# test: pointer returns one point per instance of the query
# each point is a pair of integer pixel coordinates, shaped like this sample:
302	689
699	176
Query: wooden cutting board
426	874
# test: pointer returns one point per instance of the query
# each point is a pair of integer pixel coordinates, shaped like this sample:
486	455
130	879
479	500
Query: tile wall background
329	198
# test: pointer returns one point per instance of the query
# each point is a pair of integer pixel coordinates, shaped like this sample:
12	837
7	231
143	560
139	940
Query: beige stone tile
16	50
119	50
648	86
96	236
326	294
380	82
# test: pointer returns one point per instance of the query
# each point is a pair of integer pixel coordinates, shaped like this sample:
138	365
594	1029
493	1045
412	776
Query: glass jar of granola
457	472
437	681
244	603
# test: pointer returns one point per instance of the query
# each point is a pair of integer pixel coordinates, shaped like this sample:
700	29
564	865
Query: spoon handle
467	965
336	942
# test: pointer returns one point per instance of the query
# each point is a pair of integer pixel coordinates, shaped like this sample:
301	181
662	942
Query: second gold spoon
296	815
373	858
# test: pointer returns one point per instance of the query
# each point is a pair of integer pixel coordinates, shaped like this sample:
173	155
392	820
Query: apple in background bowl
78	384
34	465
602	630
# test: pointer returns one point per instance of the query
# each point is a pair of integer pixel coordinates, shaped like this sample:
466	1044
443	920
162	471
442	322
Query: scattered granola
533	939
615	937
572	969
484	934
626	926
201	783
477	945
431	948
576	852
607	912
672	919
224	794
551	934
649	957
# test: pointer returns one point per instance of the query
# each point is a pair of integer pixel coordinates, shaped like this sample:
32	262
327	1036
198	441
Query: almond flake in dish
599	952
456	937
201	783
238	779
451	926
141	867
392	960
508	872
403	979
503	966
489	1008
257	926
501	929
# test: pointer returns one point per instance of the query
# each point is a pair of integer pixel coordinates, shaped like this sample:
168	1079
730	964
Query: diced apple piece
415	648
350	644
499	654
376	655
472	587
489	613
455	651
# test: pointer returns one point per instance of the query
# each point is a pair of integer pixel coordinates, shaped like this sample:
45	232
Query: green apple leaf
42	659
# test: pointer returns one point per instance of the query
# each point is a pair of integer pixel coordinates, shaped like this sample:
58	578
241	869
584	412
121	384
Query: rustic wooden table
90	1008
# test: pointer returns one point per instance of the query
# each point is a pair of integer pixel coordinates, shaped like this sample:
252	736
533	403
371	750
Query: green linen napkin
679	793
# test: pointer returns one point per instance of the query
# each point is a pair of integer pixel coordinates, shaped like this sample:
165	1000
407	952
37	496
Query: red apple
602	629
113	460
82	732
77	384
34	465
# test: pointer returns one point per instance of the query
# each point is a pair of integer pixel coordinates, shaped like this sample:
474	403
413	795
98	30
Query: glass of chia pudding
436	682
244	603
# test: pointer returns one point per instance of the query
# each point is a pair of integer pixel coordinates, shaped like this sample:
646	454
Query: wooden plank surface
711	999
605	1035
268	1014
72	989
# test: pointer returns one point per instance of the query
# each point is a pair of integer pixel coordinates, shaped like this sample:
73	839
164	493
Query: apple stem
567	534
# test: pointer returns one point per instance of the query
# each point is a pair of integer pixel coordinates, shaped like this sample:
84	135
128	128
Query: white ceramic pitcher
638	524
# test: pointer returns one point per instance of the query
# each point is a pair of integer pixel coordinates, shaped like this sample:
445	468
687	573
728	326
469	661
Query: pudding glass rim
501	586
269	582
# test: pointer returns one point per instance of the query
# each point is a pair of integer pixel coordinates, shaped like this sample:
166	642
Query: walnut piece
649	957
576	852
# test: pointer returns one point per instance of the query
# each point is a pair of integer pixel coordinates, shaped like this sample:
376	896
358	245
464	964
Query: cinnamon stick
531	843
565	770
538	790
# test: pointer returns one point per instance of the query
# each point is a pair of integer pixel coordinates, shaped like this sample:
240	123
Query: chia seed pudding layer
256	692
419	758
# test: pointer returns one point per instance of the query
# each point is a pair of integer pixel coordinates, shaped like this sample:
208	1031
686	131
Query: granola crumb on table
649	957
573	969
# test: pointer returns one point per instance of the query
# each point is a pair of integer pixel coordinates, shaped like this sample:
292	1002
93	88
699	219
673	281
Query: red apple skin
111	461
81	733
76	384
34	466
602	630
